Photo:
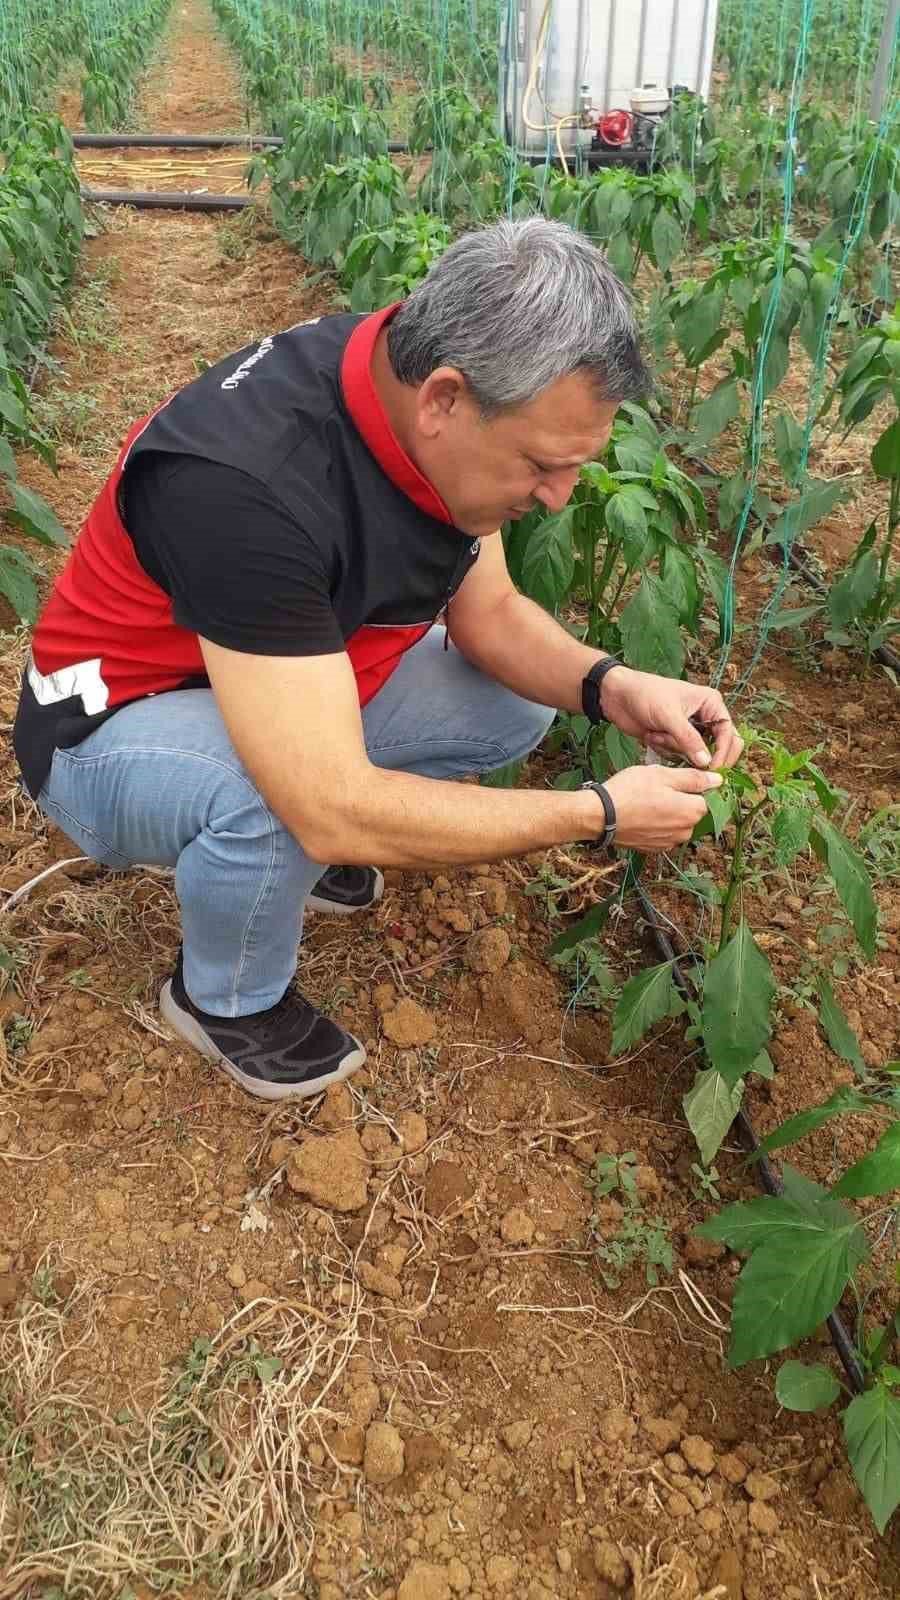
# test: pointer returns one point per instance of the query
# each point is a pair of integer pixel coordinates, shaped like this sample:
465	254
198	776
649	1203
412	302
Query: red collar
368	414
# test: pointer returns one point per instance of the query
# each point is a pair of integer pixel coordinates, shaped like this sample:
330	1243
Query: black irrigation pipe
769	1178
192	141
166	200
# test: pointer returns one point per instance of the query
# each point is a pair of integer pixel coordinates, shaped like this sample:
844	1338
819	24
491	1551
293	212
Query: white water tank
559	58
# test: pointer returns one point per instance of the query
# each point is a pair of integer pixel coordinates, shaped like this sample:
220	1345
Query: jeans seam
161	750
449	744
82	827
264	889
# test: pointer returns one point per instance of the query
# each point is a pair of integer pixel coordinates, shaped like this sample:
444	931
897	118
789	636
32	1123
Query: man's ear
442	393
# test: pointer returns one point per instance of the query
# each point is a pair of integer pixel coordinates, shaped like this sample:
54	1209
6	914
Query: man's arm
512	639
295	723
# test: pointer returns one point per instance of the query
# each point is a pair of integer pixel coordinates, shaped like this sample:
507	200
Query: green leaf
885	455
720	808
804	1122
775	364
737	999
505	777
649	627
876	1173
837	1029
548	564
805	1386
849	598
763	1066
666	238
732	496
817	499
872	1436
17	583
587	927
644	1000
851	880
796	1275
623	751
788	443
711	1106
7	459
698	324
35	517
12	409
721	406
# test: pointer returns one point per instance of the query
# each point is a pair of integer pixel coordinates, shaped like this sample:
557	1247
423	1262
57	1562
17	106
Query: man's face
489	472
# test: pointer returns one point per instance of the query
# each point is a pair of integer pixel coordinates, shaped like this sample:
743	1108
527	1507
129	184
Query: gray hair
514	307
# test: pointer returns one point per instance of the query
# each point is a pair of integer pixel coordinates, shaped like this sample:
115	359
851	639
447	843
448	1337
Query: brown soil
472	1408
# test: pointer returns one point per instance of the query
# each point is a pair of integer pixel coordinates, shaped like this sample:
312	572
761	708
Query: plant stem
888	547
735	877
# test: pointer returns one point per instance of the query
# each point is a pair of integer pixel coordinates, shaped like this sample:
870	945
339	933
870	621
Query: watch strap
606	839
591	688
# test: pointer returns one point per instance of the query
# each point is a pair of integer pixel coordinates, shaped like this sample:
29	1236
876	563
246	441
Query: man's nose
555	488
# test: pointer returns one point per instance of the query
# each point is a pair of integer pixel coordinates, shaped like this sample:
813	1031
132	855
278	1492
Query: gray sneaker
287	1052
342	890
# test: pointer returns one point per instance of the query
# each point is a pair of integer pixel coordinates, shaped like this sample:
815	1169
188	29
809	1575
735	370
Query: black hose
166	200
769	1178
192	141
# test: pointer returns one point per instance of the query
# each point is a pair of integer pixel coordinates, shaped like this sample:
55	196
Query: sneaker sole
189	1029
334	908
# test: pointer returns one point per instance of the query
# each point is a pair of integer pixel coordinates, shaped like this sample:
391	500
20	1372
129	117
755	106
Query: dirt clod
517	1227
336	1108
501	1573
446	1186
663	1434
732	1468
488	950
425	1581
348	1445
384	1453
617	1426
91	1085
10	1290
728	1574
761	1486
331	1171
763	1519
409	1024
699	1454
413	1130
378	1281
516	1435
610	1564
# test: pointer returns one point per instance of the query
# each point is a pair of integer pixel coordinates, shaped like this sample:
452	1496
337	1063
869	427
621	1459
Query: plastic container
649	101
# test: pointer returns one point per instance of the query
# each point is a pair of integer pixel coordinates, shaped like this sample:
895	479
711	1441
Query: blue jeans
160	784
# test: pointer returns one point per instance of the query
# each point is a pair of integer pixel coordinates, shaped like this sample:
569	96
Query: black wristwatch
606	839
591	689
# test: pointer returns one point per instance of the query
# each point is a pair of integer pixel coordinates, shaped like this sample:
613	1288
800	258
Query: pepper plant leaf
711	1106
876	1173
548	564
837	1029
649	627
872	1436
795	1277
737	998
805	1386
644	1000
851	880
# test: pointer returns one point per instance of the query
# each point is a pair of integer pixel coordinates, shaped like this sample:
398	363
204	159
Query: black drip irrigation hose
192	141
166	200
769	1179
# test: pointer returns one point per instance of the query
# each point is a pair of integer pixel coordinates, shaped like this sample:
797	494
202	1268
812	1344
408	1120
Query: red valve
615	127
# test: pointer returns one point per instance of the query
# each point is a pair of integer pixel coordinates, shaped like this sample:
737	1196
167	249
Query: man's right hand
658	807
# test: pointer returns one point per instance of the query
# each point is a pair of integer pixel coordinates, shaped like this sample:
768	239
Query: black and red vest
299	412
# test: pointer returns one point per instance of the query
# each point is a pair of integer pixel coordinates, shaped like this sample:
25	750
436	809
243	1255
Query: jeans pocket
57	799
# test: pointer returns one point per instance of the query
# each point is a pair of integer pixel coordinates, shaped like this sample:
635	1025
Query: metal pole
886	51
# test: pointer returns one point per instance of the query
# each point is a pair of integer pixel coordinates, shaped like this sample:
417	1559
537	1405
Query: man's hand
660	712
658	807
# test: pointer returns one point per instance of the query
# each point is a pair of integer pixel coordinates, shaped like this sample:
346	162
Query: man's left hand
659	712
